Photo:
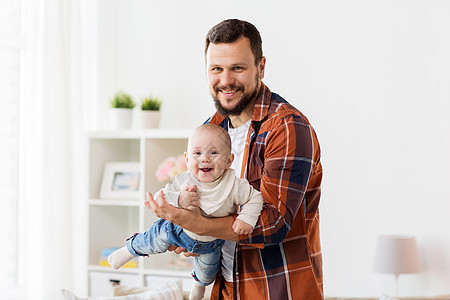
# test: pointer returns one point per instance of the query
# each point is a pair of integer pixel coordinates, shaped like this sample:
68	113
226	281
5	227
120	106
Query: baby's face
208	156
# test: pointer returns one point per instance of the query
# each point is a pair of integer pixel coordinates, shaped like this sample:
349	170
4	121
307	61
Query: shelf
112	221
168	273
111	270
105	202
143	133
155	272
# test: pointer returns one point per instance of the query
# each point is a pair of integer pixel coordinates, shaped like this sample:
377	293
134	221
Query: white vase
120	118
150	118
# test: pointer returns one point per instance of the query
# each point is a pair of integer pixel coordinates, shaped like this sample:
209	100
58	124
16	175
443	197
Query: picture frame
120	180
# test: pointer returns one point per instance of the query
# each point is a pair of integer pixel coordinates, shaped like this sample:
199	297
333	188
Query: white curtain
60	84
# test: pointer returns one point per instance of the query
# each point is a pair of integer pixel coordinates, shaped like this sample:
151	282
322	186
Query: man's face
234	79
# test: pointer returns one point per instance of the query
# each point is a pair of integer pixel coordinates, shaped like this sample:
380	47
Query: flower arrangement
170	167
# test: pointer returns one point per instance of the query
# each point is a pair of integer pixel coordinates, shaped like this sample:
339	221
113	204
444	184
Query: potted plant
121	111
150	113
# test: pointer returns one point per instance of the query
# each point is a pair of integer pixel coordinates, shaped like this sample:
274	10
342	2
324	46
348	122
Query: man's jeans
162	234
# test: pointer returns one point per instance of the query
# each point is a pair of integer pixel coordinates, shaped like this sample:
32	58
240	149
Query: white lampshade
396	255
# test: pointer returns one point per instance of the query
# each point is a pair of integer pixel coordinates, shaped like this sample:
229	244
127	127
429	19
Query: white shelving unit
111	222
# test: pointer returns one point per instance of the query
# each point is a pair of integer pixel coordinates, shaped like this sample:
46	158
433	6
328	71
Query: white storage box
154	281
101	283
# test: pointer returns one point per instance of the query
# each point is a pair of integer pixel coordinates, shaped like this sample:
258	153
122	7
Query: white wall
373	78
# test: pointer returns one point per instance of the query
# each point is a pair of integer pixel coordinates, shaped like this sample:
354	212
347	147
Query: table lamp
396	254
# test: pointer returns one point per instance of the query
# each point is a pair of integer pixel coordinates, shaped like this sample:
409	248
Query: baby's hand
240	227
188	197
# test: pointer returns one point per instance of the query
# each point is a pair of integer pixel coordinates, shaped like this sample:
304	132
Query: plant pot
150	118
120	118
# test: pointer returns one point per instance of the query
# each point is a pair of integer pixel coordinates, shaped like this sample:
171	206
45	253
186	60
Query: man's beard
243	103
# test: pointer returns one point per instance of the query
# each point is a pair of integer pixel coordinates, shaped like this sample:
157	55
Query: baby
210	184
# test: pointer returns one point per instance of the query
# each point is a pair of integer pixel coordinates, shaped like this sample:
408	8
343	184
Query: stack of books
104	259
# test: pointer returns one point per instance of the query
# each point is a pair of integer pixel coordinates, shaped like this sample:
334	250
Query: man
282	258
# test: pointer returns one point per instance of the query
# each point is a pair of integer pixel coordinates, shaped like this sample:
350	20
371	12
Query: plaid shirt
282	258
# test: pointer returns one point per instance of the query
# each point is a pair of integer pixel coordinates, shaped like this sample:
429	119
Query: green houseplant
151	104
121	111
150	114
122	100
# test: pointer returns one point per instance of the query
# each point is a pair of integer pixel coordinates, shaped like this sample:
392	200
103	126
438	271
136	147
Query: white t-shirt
238	137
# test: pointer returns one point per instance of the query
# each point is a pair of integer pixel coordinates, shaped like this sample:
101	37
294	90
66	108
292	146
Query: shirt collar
262	103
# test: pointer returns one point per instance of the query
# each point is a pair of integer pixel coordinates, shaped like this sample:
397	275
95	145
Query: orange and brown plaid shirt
282	258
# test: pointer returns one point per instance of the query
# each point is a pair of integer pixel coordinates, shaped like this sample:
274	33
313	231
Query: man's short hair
231	30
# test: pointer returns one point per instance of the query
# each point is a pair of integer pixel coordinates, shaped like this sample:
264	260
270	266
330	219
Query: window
10	52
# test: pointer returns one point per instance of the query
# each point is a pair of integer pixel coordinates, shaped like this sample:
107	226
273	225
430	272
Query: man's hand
241	227
185	218
192	219
179	250
166	211
188	197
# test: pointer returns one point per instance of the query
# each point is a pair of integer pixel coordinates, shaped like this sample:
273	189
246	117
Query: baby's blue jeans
162	234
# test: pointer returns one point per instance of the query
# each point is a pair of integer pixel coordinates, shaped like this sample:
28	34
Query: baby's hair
221	133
